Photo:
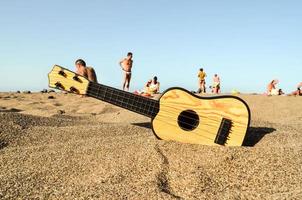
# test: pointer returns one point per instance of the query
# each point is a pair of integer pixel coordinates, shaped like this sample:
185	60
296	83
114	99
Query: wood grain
210	111
67	81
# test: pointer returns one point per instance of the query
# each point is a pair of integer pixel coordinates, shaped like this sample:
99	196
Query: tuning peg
76	78
74	90
59	86
62	73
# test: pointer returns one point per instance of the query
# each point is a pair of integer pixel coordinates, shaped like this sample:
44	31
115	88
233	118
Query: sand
70	147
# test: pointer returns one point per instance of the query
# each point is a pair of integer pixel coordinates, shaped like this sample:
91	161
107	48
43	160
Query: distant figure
216	84
151	87
154	86
126	65
272	88
145	90
87	72
298	92
202	83
280	92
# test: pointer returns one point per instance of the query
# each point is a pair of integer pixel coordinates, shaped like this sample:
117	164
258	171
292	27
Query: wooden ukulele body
185	117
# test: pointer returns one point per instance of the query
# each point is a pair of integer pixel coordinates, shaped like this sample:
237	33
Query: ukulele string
153	113
95	94
97	86
195	131
183	122
160	118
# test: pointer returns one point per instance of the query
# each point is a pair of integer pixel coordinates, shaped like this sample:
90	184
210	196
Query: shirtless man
216	84
81	67
87	72
126	65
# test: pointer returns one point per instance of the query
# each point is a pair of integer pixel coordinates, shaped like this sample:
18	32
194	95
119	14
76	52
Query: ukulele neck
141	105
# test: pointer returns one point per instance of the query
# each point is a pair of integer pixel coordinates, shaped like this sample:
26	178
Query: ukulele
178	115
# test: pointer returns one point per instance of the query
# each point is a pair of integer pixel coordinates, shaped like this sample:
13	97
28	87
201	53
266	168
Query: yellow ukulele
178	115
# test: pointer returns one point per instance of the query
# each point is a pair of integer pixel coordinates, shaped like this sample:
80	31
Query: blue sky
246	42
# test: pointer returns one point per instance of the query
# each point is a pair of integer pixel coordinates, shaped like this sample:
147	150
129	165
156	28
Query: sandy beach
69	147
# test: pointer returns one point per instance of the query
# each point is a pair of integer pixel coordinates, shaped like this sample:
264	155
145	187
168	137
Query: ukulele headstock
66	80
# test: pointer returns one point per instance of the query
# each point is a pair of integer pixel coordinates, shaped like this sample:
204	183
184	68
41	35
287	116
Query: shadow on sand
143	124
253	135
13	110
3	144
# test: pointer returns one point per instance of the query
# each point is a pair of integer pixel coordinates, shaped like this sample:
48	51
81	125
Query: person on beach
298	92
147	85
151	88
126	65
146	88
216	84
154	86
202	82
83	70
272	89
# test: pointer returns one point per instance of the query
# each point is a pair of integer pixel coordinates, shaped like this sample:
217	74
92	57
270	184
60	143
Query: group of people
153	86
215	87
150	88
273	90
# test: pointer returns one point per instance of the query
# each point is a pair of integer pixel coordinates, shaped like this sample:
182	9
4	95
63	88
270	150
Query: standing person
126	65
202	82
87	72
216	84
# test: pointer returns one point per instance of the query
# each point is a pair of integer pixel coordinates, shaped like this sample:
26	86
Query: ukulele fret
98	91
135	103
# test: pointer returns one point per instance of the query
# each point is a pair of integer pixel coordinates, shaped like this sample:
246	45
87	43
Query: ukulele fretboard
133	102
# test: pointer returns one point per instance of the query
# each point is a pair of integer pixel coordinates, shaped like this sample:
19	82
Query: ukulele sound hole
188	120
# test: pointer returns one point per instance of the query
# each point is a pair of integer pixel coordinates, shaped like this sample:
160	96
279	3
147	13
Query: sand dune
72	147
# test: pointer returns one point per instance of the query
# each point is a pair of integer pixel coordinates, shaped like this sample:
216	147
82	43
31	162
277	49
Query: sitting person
280	92
146	88
298	92
272	89
87	72
151	87
147	85
154	86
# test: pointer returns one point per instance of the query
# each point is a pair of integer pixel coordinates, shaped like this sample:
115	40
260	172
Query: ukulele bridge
223	131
